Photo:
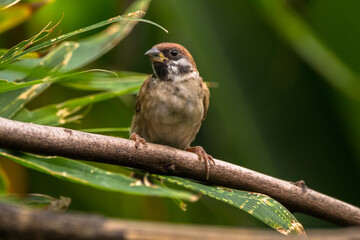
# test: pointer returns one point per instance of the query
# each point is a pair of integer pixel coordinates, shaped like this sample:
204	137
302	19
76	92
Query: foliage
24	79
287	73
259	205
37	201
3	183
88	175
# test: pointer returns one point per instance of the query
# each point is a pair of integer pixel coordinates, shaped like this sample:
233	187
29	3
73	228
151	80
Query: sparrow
172	102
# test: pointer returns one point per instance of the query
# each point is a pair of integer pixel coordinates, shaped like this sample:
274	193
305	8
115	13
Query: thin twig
160	159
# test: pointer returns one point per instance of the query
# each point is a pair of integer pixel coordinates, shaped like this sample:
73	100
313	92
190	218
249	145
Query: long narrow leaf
17	71
29	55
111	83
103	130
19	48
127	17
38	201
88	50
58	114
97	81
7	3
93	47
3	183
88	175
258	205
12	102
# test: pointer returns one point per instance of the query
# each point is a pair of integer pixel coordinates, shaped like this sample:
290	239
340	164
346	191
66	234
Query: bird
172	102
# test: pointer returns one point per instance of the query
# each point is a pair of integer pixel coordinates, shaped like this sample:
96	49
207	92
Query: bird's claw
135	137
203	156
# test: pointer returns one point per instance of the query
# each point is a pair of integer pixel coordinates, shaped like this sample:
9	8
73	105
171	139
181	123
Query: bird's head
171	62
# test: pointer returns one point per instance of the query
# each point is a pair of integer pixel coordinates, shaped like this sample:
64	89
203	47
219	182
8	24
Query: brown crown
164	47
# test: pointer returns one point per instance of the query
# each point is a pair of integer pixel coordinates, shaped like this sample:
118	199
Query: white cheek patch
192	74
181	61
176	65
174	70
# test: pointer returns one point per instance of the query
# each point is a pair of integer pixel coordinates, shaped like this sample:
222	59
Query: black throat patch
161	70
164	72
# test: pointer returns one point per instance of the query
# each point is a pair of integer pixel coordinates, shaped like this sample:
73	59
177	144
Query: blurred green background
281	106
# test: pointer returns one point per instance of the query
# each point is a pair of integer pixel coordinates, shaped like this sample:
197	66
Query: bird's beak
155	55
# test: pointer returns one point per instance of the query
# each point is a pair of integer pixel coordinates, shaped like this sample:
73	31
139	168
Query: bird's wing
206	98
141	93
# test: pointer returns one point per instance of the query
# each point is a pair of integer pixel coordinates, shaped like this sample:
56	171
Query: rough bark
160	159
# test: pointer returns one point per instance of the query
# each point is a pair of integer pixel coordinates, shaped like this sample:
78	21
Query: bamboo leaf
88	175
58	114
6	85
258	205
97	45
18	49
7	3
38	201
17	71
12	102
104	130
4	185
87	46
98	81
29	55
115	132
5	59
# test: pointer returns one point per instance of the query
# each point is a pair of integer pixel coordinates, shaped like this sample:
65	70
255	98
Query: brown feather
172	103
206	99
141	93
165	46
170	112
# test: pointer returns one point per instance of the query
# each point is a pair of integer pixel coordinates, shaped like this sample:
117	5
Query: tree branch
160	159
24	223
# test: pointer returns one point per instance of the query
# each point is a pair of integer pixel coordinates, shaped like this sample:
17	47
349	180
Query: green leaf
58	114
7	3
7	86
114	83
258	205
78	172
29	55
85	53
3	183
38	201
115	132
97	45
5	59
17	71
96	81
18	49
11	102
103	130
178	202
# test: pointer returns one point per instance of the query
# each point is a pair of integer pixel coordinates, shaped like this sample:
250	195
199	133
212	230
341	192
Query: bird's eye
174	52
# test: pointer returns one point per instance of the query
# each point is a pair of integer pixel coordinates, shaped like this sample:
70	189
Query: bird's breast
173	113
170	103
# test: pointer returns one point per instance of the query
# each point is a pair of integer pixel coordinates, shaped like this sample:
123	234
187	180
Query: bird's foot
203	156
135	137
